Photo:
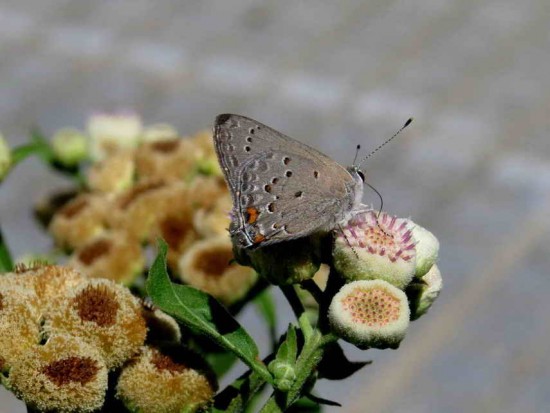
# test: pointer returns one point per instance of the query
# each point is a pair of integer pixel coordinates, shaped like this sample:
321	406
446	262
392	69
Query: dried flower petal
114	174
110	133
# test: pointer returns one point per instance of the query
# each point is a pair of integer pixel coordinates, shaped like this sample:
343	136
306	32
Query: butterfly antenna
407	123
356	153
381	208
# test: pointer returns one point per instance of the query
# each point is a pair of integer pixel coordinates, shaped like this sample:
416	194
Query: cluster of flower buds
145	183
61	333
385	264
381	257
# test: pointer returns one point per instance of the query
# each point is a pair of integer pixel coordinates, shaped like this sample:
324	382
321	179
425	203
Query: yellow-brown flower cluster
61	333
160	186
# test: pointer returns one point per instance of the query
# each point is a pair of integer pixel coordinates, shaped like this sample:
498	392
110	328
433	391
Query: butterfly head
357	174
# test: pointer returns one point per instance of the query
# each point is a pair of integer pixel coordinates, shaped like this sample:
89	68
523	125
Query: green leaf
202	314
336	366
288	350
304	405
221	362
239	395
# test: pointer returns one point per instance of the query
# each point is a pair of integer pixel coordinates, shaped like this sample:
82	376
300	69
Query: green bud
423	292
5	158
427	248
70	146
284	263
283	373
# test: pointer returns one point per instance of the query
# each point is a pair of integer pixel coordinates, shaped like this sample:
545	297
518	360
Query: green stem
309	358
6	262
298	308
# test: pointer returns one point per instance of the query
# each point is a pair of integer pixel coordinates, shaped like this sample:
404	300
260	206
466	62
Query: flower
159	132
371	247
19	323
65	375
166	380
113	255
113	174
423	292
5	158
427	248
112	132
215	220
370	313
52	283
79	220
167	160
69	146
208	266
103	314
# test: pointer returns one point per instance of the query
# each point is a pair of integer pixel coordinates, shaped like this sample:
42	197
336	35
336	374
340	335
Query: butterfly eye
361	175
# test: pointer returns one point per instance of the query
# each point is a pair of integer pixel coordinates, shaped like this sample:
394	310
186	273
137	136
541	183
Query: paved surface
474	167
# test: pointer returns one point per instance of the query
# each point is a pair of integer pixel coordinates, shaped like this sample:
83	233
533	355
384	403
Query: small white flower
371	247
427	248
111	132
370	314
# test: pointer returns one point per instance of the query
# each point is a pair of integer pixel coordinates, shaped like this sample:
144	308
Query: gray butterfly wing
281	188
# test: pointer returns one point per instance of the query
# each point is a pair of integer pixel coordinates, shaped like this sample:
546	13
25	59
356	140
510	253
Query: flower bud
112	132
370	314
283	373
371	247
69	146
427	248
5	158
423	292
284	263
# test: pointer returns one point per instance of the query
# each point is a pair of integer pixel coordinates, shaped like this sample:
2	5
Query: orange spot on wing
258	238
252	215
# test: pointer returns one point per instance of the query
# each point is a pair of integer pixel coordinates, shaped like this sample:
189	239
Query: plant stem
6	262
298	309
309	358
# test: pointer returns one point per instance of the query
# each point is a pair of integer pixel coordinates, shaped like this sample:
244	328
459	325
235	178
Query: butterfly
281	189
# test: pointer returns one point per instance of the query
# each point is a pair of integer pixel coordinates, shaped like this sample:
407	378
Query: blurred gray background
474	167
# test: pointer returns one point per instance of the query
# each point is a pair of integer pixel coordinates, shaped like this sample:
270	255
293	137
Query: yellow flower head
19	323
114	174
80	220
64	375
113	255
208	266
165	380
103	314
